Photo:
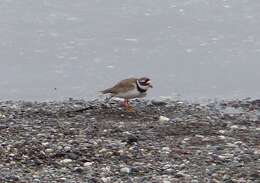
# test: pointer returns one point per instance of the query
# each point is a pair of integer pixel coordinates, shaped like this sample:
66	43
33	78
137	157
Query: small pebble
200	136
125	170
66	161
67	148
106	179
234	127
63	179
178	119
194	181
166	149
2	115
222	131
88	164
222	137
158	102
45	143
49	150
166	181
163	119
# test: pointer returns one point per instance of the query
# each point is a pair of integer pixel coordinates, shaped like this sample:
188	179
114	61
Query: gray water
56	49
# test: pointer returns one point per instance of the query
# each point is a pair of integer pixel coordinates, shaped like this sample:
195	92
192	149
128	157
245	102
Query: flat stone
106	179
222	137
67	148
125	170
66	161
163	119
222	131
158	102
166	149
86	164
234	127
49	150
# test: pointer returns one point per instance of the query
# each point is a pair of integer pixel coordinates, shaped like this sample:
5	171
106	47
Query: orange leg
127	106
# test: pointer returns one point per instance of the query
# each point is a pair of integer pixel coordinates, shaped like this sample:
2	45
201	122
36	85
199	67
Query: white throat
141	86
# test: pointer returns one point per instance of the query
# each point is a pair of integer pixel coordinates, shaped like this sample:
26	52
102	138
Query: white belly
131	94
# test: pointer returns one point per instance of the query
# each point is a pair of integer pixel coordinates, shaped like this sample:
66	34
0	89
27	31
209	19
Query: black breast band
139	88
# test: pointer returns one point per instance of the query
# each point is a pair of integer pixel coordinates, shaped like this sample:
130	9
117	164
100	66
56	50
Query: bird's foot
130	109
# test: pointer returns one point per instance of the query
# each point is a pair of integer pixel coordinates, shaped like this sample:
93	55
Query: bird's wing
122	86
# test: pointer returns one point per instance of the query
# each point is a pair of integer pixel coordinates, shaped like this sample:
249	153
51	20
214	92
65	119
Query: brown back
122	86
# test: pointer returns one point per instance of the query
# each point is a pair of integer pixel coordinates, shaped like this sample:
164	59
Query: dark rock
12	178
255	175
78	170
131	139
3	126
72	156
158	102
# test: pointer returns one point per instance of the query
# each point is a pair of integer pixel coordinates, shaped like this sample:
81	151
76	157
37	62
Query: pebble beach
161	141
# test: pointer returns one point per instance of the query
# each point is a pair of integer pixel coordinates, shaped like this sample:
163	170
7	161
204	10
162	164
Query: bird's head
144	83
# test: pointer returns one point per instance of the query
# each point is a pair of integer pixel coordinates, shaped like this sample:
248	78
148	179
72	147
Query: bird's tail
106	91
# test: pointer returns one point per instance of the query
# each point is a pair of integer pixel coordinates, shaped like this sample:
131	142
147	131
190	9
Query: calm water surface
52	49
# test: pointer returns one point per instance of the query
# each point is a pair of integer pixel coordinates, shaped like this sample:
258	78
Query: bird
128	89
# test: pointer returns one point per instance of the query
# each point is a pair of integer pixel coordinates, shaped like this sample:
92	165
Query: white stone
188	138
67	148
59	147
102	150
166	149
106	169
106	179
88	164
163	119
166	181
2	115
167	166
200	136
243	127
194	181
66	161
222	131
45	143
222	137
234	127
48	150
257	152
125	170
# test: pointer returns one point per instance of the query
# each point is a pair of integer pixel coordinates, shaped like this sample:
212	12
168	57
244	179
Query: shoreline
60	142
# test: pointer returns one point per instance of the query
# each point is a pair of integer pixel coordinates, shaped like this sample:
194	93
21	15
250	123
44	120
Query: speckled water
51	50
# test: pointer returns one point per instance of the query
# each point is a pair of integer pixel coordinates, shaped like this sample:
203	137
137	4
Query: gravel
91	141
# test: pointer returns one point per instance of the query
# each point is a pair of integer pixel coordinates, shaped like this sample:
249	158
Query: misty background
193	49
